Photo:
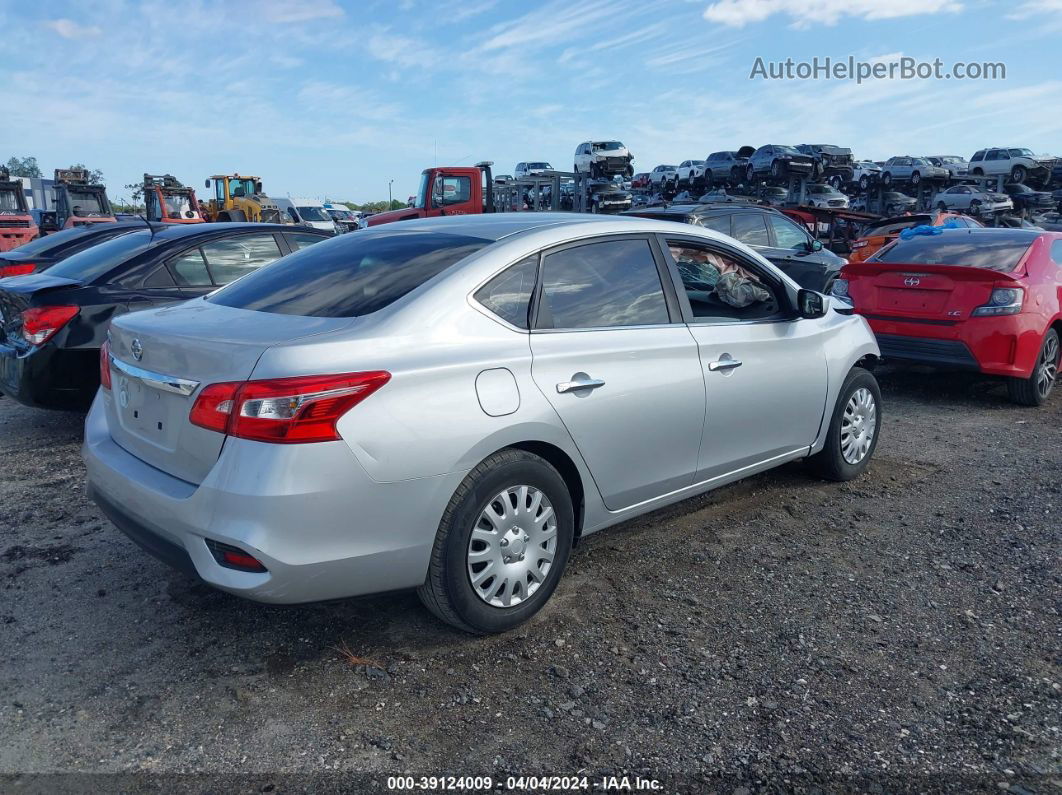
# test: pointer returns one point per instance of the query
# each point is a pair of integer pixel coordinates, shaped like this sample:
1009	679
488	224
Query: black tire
830	462
886	179
1030	391
864	183
1018	175
750	174
975	207
977	172
916	178
447	592
776	169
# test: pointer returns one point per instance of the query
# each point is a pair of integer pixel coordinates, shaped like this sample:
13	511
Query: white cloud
738	13
69	29
302	11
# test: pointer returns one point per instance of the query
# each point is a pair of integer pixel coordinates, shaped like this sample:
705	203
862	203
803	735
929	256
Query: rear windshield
349	275
996	250
891	227
92	263
48	242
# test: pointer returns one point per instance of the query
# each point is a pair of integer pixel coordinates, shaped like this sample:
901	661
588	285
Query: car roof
177	231
492	226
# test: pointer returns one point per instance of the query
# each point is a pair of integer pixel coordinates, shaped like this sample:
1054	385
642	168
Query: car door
612	356
793	251
764	367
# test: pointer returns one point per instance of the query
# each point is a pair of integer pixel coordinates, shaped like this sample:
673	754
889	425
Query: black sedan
53	324
781	240
1025	198
42	253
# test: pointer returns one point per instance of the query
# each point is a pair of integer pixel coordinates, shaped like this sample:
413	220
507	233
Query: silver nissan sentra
448	404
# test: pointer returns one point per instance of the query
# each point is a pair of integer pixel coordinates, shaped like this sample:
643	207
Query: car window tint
88	265
508	295
999	251
190	269
160	277
301	240
719	288
720	223
349	275
786	233
613	283
233	257
750	229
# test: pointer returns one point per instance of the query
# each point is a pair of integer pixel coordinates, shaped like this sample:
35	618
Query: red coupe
980	299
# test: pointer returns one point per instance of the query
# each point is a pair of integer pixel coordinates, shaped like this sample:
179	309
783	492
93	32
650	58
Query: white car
955	166
825	196
531	168
866	173
661	175
307	212
1016	164
972	199
603	159
690	171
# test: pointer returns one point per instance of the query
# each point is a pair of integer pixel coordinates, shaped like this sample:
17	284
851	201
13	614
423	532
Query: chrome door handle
571	386
725	363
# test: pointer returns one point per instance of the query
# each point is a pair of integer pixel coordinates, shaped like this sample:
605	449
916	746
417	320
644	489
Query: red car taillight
105	365
40	324
17	270
284	410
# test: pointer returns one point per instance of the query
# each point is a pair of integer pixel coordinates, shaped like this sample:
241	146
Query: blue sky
332	99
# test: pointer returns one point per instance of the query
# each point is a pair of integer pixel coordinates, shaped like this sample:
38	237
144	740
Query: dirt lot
903	628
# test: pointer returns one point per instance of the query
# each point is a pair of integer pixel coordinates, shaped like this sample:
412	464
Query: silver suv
910	169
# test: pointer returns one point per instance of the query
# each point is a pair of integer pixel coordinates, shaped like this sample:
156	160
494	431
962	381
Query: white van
307	212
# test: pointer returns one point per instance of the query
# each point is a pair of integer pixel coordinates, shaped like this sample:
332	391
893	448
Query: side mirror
206	184
814	245
811	304
258	188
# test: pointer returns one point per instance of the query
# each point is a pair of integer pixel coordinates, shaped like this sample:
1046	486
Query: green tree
23	167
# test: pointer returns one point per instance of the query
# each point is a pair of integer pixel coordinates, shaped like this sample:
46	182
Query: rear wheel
1035	389
854	429
502	544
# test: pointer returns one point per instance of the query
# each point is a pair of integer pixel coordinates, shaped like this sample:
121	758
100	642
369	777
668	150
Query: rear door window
720	223
230	258
600	285
750	229
350	275
302	240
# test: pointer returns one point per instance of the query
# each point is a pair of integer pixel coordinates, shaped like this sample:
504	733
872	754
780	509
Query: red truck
455	190
78	201
16	224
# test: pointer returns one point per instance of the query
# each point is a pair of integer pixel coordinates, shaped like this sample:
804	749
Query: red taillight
233	557
105	365
284	410
17	270
41	323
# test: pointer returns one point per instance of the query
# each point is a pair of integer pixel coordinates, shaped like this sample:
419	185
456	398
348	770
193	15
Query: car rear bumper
1006	346
49	377
318	523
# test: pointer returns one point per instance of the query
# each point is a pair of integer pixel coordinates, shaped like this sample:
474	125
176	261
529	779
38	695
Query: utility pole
389	199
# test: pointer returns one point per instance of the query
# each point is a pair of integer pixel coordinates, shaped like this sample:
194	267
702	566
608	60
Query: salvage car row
435	403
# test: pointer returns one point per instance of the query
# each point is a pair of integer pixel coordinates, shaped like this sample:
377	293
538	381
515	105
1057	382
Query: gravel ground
900	631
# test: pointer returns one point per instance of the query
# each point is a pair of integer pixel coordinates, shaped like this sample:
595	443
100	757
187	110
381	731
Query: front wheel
502	544
1034	390
886	179
1018	175
864	182
854	429
916	178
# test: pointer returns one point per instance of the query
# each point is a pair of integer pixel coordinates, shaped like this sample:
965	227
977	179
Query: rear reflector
105	365
284	410
41	323
233	557
16	270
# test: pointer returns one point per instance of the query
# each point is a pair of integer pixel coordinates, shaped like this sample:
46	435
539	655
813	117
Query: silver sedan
449	404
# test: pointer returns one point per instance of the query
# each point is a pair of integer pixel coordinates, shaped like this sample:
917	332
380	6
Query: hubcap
1048	367
858	425
512	546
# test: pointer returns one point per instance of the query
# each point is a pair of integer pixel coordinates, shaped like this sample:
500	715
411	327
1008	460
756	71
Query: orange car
877	233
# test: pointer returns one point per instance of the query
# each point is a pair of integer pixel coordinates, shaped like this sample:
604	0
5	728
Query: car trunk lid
16	296
918	292
163	358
